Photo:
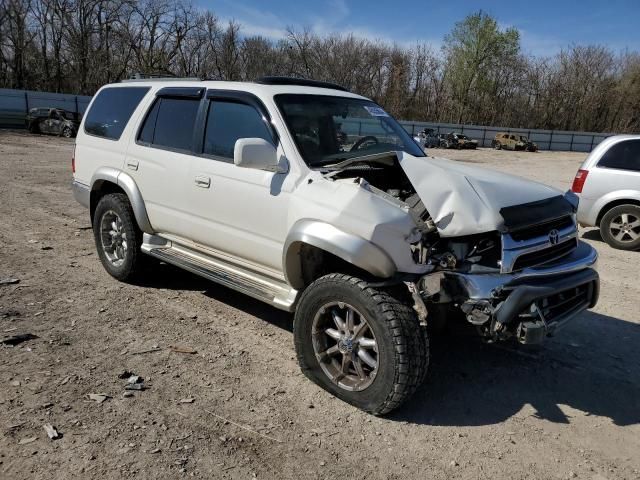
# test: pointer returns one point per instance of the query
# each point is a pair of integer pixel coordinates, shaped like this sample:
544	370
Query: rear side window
228	122
624	156
170	123
111	110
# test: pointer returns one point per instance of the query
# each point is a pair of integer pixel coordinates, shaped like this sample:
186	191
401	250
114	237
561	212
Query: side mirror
258	154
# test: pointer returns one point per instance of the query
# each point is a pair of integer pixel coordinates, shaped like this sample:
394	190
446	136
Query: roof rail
305	82
144	77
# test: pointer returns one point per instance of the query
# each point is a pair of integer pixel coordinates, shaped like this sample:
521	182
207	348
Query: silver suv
317	201
608	183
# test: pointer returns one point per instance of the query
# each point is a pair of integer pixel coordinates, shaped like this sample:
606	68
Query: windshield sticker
376	111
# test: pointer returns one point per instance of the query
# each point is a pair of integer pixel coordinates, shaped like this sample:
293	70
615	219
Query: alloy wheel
625	228
345	346
113	238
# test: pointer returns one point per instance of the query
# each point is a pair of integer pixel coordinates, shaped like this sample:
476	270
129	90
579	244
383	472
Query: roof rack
305	82
144	77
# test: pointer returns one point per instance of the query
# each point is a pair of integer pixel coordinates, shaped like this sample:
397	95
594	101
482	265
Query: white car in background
608	184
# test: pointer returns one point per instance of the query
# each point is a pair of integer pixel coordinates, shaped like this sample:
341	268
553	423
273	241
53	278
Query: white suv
315	200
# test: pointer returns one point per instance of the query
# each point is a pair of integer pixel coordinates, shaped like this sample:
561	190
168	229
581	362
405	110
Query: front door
237	211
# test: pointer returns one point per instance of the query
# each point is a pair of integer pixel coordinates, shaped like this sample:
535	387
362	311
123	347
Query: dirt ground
239	407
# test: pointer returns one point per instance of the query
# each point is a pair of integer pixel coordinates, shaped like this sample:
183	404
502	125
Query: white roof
258	89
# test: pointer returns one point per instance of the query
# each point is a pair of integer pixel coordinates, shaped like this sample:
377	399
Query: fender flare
128	184
347	246
599	208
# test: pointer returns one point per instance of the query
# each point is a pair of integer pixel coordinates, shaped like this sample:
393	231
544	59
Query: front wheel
359	343
620	227
497	146
117	236
67	132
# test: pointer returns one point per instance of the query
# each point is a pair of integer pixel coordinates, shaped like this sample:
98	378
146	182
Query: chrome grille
540	257
538	244
542	228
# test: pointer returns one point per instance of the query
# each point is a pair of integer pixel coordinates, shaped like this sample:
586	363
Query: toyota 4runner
316	201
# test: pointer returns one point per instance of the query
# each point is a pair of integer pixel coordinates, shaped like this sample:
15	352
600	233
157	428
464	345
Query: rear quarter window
111	111
622	156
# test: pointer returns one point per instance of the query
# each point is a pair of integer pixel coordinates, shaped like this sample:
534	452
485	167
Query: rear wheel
117	236
359	343
620	227
67	132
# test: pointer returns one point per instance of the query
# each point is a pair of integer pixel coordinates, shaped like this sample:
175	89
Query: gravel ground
239	407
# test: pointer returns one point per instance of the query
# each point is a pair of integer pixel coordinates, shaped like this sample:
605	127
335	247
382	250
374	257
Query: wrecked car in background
368	242
459	141
510	141
54	121
428	138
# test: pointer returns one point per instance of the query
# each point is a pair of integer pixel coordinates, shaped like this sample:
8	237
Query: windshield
330	129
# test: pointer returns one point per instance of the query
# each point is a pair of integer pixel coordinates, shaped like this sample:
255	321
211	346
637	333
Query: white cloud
333	20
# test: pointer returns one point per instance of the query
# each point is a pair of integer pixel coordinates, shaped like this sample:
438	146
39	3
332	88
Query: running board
252	283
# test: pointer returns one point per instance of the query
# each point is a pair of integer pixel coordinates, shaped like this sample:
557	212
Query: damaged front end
515	270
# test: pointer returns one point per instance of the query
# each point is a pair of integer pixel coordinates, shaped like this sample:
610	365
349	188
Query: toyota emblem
554	236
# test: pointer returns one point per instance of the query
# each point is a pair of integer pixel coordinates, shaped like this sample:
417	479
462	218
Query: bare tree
480	76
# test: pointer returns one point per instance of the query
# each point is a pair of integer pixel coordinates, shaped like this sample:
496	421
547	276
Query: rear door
617	169
159	158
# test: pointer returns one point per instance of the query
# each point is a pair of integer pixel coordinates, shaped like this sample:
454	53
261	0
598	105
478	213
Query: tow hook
532	332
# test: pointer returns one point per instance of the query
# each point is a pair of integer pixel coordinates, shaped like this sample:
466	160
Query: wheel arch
615	203
111	180
348	249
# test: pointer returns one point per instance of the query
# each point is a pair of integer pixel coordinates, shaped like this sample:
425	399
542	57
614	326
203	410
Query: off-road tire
133	261
612	215
403	346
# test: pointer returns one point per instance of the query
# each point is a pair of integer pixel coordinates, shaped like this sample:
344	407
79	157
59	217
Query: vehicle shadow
592	367
166	276
593	234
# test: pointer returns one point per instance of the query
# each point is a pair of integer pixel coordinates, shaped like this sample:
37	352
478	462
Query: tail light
73	160
578	181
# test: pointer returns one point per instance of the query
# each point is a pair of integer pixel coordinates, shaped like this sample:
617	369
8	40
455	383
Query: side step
255	284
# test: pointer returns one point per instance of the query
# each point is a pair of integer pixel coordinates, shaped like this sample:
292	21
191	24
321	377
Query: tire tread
411	344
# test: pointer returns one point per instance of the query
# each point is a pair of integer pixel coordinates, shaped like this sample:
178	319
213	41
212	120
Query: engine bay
383	176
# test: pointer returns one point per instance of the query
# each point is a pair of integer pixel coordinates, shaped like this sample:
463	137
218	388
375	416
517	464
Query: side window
111	110
624	155
229	121
170	123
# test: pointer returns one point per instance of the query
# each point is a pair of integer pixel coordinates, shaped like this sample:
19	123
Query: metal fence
559	140
14	105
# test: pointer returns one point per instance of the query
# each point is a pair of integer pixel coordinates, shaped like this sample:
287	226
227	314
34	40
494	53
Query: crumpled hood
464	199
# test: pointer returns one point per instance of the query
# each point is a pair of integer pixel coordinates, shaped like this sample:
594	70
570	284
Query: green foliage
475	50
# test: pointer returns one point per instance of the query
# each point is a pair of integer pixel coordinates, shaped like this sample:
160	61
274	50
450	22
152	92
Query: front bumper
529	304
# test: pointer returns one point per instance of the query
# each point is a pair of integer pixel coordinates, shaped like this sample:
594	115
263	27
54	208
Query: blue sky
546	26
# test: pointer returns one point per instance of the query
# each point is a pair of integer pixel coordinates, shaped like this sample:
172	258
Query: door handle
202	181
132	164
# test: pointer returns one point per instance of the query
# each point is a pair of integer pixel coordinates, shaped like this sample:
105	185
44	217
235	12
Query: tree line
480	75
